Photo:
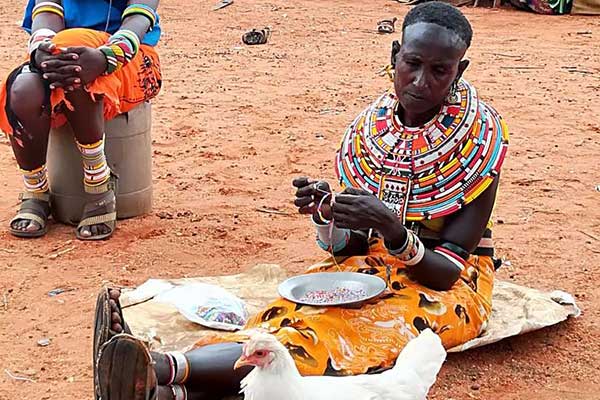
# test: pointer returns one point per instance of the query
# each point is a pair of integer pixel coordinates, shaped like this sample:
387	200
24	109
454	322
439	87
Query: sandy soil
234	124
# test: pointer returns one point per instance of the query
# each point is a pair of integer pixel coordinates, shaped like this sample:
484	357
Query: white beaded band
418	257
38	37
182	369
453	260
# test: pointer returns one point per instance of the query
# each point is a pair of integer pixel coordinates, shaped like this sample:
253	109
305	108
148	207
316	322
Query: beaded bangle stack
412	251
122	47
144	11
48	7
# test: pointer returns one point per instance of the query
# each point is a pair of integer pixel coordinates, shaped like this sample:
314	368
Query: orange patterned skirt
140	80
343	341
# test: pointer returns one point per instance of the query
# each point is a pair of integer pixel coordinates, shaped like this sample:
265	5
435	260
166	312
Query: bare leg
87	122
211	367
211	373
30	146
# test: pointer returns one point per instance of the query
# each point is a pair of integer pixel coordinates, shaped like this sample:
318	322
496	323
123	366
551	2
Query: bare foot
116	321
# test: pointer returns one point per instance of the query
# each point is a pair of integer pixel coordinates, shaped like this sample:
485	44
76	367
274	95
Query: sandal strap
98	219
42	196
30	216
105	187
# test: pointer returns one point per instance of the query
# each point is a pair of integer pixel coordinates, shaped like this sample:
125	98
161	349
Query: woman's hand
47	51
358	209
60	70
309	195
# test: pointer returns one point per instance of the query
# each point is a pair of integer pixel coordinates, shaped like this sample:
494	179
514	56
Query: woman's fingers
347	199
310	209
342	208
301	182
47	47
306	191
355	191
303	201
55	65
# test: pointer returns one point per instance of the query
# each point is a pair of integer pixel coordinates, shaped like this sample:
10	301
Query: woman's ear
395	50
462	67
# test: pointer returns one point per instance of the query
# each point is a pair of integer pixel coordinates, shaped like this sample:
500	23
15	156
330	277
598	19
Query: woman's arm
138	19
464	229
437	268
48	16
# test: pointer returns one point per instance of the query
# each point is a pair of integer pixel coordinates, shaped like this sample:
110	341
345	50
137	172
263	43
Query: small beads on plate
333	296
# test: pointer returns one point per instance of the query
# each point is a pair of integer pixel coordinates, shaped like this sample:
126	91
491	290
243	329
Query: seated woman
89	61
421	168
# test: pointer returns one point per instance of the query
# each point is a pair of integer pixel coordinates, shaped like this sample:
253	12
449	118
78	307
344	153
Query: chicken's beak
241	362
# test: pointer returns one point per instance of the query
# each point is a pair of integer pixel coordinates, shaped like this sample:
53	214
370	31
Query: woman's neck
415	120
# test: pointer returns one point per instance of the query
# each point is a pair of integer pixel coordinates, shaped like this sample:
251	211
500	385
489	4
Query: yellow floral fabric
344	341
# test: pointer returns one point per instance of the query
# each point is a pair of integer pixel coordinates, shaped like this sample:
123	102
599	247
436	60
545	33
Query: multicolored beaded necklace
430	171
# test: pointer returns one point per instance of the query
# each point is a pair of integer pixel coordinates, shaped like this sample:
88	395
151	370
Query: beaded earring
452	97
388	70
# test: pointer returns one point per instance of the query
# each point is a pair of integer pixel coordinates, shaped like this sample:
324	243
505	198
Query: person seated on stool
89	61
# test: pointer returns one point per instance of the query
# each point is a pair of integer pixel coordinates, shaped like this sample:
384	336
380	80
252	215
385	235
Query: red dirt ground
235	124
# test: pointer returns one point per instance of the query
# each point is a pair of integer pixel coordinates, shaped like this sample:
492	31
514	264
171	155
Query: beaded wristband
408	246
451	256
330	238
412	252
417	255
456	249
122	47
47	7
143	10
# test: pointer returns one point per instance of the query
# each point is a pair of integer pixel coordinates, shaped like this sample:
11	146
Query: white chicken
275	376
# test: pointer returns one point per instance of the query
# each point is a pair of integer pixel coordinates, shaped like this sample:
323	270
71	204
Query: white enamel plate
326	289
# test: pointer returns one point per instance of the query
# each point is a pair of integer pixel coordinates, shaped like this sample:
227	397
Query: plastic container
129	154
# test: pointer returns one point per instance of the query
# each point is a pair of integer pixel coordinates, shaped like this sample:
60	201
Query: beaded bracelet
143	10
456	249
47	7
122	47
451	256
406	248
412	252
330	238
416	256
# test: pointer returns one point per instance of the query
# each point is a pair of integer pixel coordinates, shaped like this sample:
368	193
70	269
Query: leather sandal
387	25
103	329
255	36
125	370
34	207
101	211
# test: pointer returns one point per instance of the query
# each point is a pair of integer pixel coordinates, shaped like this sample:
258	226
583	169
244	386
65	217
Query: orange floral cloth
139	81
342	341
